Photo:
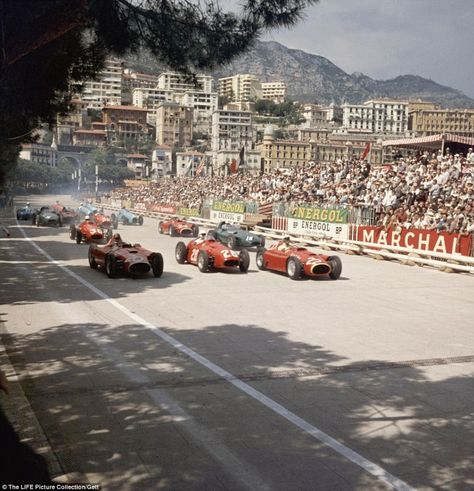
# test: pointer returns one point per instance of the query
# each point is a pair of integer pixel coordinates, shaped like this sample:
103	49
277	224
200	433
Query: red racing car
120	258
176	226
297	261
89	231
208	254
68	215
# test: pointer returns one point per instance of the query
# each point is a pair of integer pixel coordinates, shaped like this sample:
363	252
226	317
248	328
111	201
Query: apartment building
106	89
203	103
425	122
231	131
174	125
244	87
161	161
277	154
187	163
39	153
177	82
125	122
376	116
318	116
274	91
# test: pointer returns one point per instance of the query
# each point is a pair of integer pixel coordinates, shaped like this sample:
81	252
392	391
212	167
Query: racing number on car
313	260
249	238
227	254
194	255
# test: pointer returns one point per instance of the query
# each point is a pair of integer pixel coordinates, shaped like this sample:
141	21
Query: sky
386	38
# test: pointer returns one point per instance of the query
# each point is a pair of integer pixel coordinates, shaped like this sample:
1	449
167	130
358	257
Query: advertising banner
329	215
232	211
140	206
318	229
188	212
424	240
171	209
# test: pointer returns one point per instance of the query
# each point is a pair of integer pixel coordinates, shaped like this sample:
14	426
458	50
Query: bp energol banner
319	222
231	211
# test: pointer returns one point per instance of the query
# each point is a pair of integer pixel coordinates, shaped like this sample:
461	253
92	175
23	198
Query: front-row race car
126	217
89	231
120	258
234	236
209	254
176	226
26	213
46	216
298	262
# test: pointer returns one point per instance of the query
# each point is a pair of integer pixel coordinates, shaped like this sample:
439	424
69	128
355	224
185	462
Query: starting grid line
365	464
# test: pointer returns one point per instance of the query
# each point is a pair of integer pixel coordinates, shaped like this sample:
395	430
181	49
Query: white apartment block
274	91
39	154
203	103
151	99
106	89
187	163
176	82
376	116
238	88
231	130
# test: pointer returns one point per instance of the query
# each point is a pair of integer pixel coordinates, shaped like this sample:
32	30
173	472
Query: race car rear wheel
195	230
260	259
110	266
203	261
157	264
232	242
92	262
336	267
171	231
78	237
72	232
124	221
160	227
294	268
108	234
140	220
33	219
262	240
181	252
244	261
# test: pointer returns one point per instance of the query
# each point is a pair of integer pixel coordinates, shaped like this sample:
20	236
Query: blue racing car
26	213
126	217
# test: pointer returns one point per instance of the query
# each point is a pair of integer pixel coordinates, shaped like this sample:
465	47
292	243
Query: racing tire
160	227
203	261
108	234
33	219
72	232
78	237
114	220
181	252
171	231
232	242
244	261
294	268
124	221
195	230
336	267
92	262
110	266
262	240
157	265
260	259
60	222
37	221
140	220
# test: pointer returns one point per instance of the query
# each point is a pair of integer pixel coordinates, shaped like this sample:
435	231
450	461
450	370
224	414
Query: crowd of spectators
425	191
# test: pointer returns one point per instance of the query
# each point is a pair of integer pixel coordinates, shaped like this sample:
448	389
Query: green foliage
288	111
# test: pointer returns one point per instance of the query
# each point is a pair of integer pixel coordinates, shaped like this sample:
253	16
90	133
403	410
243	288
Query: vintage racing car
175	226
126	217
68	215
46	216
86	209
298	261
89	231
234	236
208	254
26	213
118	258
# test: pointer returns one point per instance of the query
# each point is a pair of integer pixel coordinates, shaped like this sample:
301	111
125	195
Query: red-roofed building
125	122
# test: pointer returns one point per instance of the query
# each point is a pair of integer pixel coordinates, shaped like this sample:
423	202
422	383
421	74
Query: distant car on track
177	227
208	253
234	236
26	213
89	231
68	215
120	258
126	217
297	261
46	216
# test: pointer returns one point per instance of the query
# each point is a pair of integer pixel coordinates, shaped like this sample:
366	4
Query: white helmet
87	217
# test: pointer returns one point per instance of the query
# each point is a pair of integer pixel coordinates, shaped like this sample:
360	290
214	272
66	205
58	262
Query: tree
61	42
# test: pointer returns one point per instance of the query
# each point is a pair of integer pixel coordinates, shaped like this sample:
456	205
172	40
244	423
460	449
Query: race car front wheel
336	267
92	262
157	264
232	242
181	252
160	227
244	261
78	237
294	268
260	259
72	232
203	261
110	266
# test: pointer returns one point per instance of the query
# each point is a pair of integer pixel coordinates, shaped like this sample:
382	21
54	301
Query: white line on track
373	469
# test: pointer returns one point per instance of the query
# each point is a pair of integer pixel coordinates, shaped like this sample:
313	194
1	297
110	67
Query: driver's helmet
286	240
117	238
87	217
28	204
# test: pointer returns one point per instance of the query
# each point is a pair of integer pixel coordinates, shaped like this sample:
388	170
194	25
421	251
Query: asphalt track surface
230	381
